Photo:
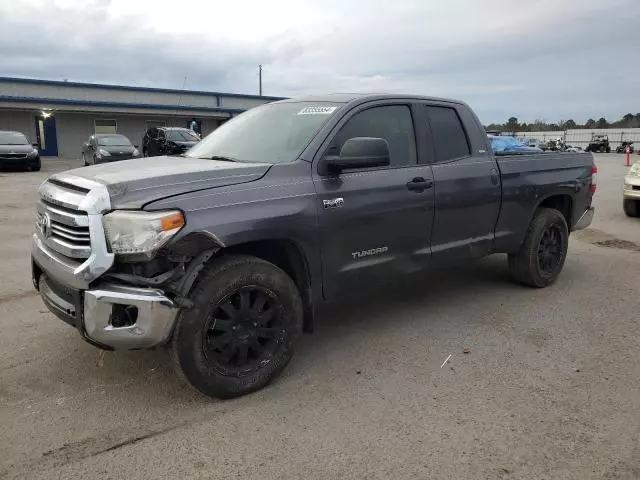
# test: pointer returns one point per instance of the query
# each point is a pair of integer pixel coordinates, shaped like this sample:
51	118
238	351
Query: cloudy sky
533	59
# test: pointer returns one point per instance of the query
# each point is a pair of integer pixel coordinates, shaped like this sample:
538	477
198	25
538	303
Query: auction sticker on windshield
317	110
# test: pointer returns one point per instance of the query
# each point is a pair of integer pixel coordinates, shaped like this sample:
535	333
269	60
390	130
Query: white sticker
317	110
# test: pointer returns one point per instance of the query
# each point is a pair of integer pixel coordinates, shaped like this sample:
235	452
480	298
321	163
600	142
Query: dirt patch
604	239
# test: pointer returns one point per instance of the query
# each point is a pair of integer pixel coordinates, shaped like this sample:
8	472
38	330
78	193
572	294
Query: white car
631	192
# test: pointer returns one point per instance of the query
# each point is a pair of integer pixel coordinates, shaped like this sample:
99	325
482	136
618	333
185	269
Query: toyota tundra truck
225	254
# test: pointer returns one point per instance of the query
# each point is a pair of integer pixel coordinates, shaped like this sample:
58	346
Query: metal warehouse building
60	116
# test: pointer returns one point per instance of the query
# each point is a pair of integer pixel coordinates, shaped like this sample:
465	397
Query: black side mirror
359	152
34	145
135	146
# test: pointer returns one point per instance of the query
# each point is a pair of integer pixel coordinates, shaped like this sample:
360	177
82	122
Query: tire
631	208
527	266
93	160
608	149
145	153
36	167
201	343
84	160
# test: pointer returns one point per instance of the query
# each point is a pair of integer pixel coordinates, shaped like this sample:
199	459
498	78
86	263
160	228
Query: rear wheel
631	207
242	329
542	255
608	149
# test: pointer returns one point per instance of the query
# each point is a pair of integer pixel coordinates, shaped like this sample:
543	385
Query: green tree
512	124
591	123
569	124
602	123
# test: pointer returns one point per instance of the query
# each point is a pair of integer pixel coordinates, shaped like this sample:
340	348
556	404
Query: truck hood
134	183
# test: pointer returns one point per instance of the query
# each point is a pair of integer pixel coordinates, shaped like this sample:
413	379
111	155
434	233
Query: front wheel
241	331
541	257
631	208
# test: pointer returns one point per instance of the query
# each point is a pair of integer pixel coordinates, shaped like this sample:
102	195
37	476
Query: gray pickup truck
225	254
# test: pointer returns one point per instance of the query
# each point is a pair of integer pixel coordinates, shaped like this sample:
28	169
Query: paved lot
549	390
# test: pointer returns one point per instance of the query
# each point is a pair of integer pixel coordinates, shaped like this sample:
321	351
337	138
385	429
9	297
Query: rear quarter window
449	137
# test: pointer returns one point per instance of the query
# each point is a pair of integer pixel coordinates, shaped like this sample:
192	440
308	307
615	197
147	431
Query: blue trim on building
89	103
34	81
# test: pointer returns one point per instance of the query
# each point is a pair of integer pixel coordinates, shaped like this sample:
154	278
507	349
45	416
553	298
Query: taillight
594	178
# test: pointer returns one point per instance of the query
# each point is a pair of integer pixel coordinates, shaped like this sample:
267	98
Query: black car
168	141
108	147
17	152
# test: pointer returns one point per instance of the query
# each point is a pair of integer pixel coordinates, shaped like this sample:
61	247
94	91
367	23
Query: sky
538	59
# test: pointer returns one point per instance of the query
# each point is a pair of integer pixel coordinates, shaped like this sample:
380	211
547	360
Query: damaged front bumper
109	315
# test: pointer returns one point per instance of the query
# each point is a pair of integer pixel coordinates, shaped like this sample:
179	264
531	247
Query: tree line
513	125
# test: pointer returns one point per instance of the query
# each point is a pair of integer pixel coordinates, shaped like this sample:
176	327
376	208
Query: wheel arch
563	202
285	253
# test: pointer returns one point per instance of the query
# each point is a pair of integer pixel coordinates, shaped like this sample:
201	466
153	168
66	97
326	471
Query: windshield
181	136
272	133
13	138
114	141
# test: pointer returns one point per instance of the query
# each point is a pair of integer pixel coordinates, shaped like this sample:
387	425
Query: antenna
260	80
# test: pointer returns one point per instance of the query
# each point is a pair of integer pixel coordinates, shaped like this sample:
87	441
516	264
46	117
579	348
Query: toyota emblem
45	224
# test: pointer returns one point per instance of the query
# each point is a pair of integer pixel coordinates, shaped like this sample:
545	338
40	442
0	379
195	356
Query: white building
60	116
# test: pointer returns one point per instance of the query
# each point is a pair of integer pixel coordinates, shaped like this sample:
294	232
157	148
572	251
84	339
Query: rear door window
449	137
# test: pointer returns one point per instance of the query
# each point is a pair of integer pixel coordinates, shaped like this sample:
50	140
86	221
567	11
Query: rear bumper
586	219
112	316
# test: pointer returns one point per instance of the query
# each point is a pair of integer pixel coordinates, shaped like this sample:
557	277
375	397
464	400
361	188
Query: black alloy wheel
243	331
550	250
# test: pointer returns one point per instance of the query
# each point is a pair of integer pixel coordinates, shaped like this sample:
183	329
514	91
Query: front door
46	136
374	223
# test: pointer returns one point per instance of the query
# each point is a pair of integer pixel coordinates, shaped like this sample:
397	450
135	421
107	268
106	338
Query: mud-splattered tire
242	330
542	255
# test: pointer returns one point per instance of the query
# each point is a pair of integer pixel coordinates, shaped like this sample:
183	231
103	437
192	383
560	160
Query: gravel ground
549	388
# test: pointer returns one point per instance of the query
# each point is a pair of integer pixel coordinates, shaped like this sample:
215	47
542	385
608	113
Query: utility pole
260	79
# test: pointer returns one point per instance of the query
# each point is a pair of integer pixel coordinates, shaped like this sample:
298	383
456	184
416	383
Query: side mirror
360	152
136	146
34	145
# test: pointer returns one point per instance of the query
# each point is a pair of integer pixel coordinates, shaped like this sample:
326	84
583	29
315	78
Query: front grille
63	228
635	187
12	156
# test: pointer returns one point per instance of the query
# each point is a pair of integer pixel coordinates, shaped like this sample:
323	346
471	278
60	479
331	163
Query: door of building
46	136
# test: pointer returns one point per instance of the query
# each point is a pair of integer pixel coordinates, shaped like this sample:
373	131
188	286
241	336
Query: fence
582	137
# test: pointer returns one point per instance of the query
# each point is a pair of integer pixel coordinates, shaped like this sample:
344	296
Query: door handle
419	184
495	177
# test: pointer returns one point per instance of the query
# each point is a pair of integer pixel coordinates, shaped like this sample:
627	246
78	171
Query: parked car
599	143
108	147
509	145
227	256
168	141
622	148
17	152
631	192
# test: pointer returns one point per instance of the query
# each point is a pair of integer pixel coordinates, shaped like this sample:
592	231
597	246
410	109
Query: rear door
467	185
374	223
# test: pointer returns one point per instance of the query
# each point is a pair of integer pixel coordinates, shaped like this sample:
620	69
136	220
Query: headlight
140	233
33	153
103	152
634	171
135	152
